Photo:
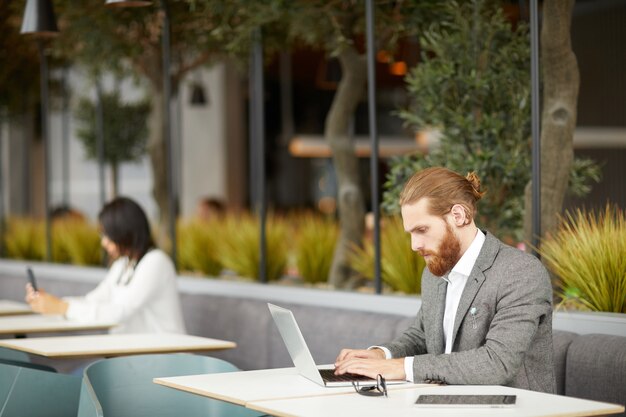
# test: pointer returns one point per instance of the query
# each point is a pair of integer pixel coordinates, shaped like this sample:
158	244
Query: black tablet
442	400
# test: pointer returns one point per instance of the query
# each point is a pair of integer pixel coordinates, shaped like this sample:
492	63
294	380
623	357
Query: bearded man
486	314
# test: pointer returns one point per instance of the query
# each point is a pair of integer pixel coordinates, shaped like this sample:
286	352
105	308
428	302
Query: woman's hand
44	303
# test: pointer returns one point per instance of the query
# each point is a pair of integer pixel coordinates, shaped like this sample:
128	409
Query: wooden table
37	323
282	392
13	308
108	345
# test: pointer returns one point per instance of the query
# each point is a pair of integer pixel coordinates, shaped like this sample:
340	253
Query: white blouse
142	299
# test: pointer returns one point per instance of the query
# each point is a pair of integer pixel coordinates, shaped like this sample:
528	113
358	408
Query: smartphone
31	278
440	400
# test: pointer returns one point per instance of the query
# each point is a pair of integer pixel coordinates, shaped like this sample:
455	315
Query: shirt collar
465	265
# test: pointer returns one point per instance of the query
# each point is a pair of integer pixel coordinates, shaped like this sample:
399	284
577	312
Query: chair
13	355
17	358
34	393
88	405
123	386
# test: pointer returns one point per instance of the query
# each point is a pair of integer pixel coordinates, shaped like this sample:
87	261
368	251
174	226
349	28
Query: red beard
449	253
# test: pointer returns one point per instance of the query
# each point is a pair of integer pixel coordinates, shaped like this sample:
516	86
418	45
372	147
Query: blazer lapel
437	323
475	280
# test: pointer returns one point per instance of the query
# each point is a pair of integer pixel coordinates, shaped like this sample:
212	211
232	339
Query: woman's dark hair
125	224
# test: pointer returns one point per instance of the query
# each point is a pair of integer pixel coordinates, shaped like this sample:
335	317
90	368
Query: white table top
400	403
10	308
36	323
244	387
115	344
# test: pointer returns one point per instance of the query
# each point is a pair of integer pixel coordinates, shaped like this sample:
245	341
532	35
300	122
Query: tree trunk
115	181
158	158
350	198
558	120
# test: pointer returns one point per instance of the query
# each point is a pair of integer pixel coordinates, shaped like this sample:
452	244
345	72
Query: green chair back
13	355
124	387
31	365
34	393
88	406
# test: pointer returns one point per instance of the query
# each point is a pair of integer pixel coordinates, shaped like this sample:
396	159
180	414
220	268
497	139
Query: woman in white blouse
139	291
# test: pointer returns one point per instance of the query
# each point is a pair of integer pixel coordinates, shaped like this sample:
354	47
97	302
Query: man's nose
416	243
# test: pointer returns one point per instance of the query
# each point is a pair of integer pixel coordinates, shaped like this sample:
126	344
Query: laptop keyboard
329	376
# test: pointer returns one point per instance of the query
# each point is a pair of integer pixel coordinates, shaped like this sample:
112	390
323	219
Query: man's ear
459	215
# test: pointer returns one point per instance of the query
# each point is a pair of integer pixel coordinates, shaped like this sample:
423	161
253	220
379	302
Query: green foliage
401	268
239	249
584	172
76	242
315	246
198	243
587	256
25	239
327	25
125	128
473	87
19	62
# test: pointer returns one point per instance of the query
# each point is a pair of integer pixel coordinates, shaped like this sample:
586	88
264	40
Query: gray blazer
508	339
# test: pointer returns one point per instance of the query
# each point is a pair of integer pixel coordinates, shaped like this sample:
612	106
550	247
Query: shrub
76	241
198	243
239	249
315	246
401	268
587	254
25	239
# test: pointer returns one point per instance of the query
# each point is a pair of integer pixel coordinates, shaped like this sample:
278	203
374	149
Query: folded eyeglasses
378	390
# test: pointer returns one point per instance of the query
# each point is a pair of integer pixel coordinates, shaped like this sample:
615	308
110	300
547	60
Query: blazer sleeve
523	301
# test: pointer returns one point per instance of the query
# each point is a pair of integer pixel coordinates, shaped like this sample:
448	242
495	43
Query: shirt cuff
384	349
408	368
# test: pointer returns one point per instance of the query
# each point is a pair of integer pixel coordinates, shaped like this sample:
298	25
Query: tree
19	63
473	86
128	41
125	130
337	27
561	80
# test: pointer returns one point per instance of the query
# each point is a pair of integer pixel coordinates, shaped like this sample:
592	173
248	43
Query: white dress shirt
456	280
141	298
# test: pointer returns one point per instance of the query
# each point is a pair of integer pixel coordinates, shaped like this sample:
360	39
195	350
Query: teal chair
13	355
17	358
34	393
88	405
123	387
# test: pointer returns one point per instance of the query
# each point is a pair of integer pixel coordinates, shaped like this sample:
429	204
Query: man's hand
359	353
388	368
44	303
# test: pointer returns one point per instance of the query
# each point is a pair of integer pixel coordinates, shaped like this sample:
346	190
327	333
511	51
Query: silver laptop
301	355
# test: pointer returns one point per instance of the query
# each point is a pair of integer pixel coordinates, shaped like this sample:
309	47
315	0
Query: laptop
302	358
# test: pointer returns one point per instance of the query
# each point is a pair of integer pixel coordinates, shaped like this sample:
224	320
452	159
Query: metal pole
371	104
167	123
286	98
536	123
65	136
100	139
258	136
44	142
2	118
